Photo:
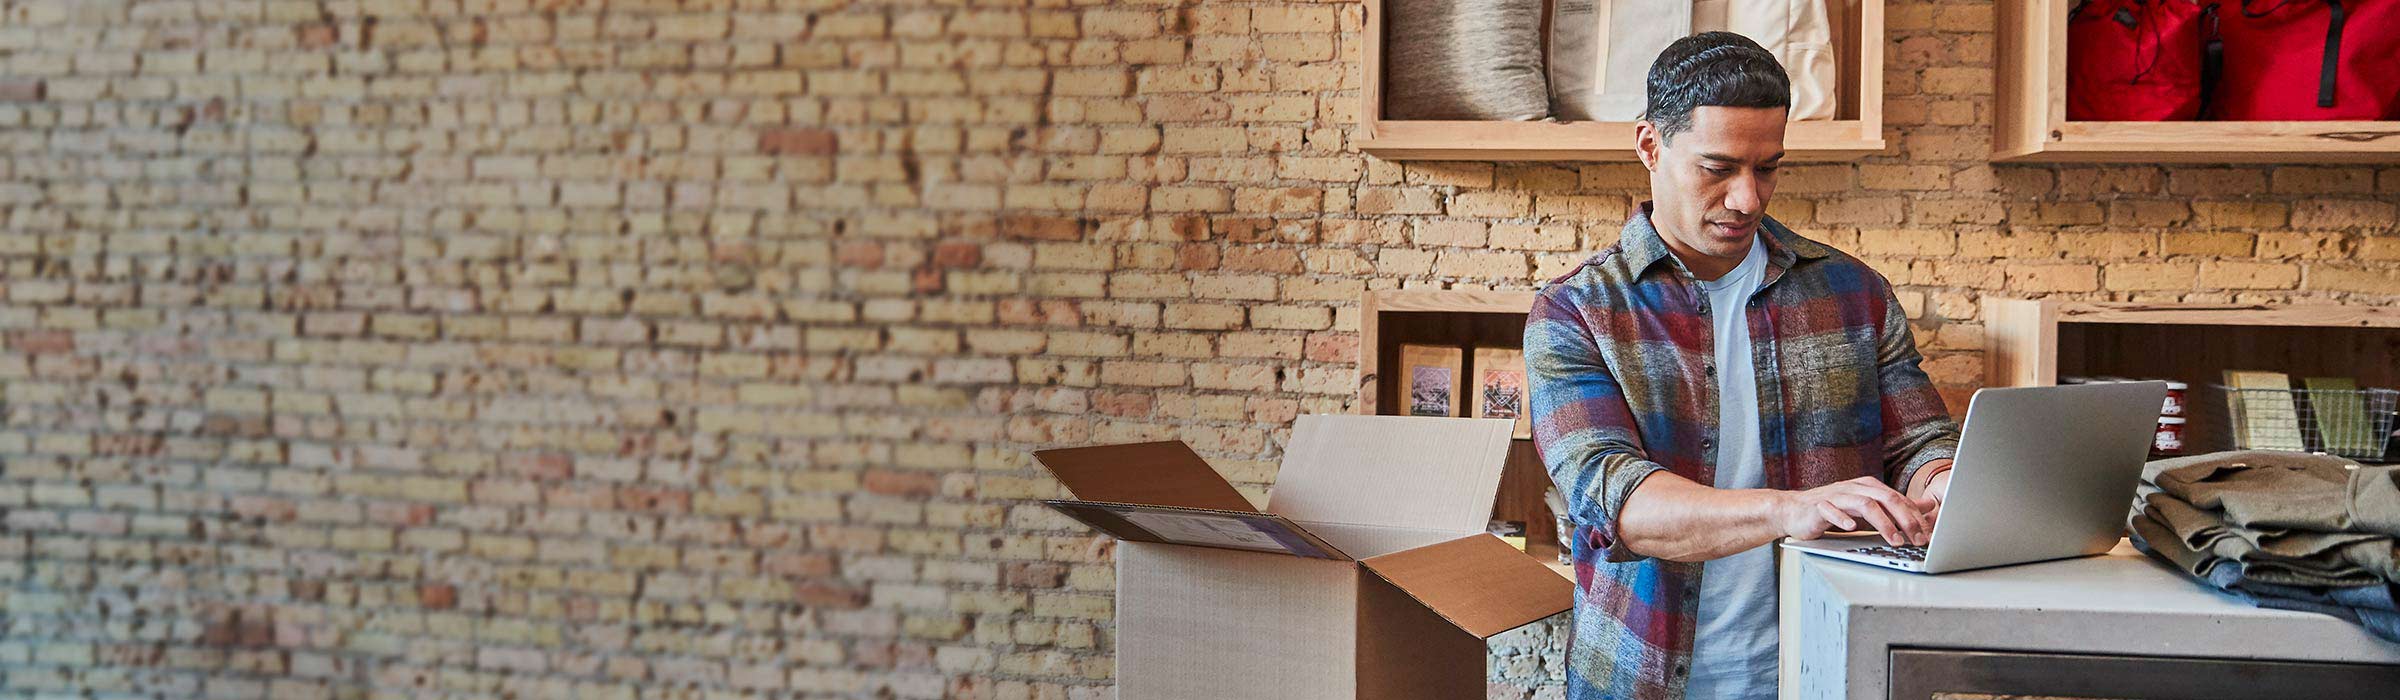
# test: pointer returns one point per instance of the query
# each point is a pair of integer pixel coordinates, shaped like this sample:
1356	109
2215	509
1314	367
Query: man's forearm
1677	519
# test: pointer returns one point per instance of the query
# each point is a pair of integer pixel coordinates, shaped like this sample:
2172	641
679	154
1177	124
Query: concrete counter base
1841	622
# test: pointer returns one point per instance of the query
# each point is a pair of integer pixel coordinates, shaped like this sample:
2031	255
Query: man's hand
1809	514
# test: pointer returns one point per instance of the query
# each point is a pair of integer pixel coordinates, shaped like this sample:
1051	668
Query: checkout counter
2120	625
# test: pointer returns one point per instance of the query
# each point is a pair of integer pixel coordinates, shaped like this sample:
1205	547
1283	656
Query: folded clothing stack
2283	530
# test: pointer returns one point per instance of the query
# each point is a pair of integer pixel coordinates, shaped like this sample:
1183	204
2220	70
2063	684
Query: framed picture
1500	387
1432	375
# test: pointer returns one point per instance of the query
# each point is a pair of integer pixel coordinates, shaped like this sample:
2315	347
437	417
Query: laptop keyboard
1909	552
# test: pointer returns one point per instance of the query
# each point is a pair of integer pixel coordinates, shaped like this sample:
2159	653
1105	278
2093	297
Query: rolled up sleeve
1581	424
1916	426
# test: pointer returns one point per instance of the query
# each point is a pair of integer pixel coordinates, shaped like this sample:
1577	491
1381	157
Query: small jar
2169	440
1566	539
2174	403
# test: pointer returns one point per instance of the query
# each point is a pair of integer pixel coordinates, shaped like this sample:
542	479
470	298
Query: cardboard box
1367	576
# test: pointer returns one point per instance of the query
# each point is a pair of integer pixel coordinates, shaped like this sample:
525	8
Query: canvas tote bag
1601	50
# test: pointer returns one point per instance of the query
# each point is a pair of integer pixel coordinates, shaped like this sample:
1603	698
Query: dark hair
1712	69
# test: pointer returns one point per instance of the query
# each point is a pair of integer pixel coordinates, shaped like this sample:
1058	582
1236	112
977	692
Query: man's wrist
1934	472
1779	505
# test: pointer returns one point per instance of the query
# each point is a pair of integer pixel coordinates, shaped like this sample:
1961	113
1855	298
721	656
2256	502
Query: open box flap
1393	471
1478	583
1250	531
1147	473
1365	541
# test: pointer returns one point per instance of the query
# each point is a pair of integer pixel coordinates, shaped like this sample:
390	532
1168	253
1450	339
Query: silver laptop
2042	473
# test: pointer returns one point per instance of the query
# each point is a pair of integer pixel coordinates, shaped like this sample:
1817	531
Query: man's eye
1770	170
1718	171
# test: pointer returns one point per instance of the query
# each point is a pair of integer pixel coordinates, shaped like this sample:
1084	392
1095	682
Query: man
1714	382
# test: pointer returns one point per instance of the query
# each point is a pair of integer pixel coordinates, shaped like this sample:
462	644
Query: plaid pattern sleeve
1588	440
1620	361
1917	428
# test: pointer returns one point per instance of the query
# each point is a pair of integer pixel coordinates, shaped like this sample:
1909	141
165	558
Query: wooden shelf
1856	130
2031	120
1595	141
2021	336
2034	342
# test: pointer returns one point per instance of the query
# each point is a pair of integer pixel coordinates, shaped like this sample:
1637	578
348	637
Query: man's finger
1873	511
1905	513
1835	516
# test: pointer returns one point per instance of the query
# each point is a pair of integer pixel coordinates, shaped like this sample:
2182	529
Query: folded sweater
2281	529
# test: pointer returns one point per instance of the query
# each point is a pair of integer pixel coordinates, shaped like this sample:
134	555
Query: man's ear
1646	142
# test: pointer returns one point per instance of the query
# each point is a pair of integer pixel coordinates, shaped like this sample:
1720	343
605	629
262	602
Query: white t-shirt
1733	649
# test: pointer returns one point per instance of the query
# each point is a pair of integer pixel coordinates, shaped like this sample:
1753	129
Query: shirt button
1708	442
1711	368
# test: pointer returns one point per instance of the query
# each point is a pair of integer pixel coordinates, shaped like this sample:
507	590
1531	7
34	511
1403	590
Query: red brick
539	466
20	90
400	514
823	594
1284	260
42	342
1196	256
437	596
1332	347
902	483
1047	312
1042	228
654	500
957	255
796	142
859	254
318	36
798	564
1033	574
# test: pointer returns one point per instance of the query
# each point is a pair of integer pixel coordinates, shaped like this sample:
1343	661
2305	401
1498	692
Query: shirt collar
1642	246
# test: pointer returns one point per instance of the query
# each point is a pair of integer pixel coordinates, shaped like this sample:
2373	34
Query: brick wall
559	348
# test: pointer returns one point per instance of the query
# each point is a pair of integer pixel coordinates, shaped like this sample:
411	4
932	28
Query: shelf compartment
1856	130
2034	342
2030	123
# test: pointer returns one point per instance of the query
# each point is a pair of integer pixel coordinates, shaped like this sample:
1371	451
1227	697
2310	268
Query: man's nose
1744	196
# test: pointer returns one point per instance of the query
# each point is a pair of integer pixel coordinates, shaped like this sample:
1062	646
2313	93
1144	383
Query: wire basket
2350	423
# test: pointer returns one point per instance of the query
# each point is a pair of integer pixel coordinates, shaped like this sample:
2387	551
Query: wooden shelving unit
1856	129
1462	318
2031	114
2034	342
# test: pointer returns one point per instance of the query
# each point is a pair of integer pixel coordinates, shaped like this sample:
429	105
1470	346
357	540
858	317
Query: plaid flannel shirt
1620	357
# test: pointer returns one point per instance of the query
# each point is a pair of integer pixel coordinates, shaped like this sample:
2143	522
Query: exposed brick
396	344
20	90
437	596
796	142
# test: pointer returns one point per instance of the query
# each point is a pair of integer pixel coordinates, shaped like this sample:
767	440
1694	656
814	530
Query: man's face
1710	186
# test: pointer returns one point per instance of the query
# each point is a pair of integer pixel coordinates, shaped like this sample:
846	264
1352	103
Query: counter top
1841	618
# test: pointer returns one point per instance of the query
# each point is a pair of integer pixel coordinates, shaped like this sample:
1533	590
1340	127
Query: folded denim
2281	530
2370	606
